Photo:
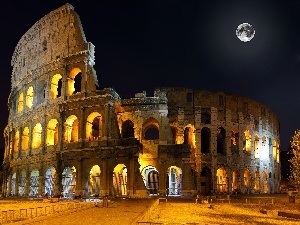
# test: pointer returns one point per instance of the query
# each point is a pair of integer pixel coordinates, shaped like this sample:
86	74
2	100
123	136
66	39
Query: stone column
79	177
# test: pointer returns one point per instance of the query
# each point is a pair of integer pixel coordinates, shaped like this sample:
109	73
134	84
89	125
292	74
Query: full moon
245	32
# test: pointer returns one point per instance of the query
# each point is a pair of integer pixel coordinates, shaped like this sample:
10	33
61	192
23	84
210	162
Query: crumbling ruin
65	137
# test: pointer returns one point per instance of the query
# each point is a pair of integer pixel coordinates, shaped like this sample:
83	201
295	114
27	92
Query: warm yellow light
25	138
29	97
20	102
52	132
54	86
71	82
37	136
16	143
71	129
93	126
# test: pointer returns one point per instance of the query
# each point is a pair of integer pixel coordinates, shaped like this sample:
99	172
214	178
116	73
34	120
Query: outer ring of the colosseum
67	138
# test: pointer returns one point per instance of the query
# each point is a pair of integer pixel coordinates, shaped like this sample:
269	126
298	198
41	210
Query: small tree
295	159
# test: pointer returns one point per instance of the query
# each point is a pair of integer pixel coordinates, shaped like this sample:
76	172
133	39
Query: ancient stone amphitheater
65	137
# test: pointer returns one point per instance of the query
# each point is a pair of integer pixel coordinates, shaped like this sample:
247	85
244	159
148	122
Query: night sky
141	45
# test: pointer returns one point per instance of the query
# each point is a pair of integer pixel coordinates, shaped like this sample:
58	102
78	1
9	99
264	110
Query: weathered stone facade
65	137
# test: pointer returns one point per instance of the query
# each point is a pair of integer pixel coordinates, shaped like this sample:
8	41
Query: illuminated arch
29	97
69	182
150	178
222	182
71	129
120	180
52	132
20	102
94	126
247	141
50	181
221	140
265	182
34	182
92	187
264	154
25	138
274	150
174	180
74	81
256	181
37	136
16	141
55	86
189	135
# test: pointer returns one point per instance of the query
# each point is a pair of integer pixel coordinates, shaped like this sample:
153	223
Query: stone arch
94	126
221	140
150	178
71	129
274	150
235	181
205	117
52	132
69	182
74	81
222	180
257	182
256	147
50	181
92	187
120	180
247	141
55	86
174	180
247	180
37	136
264	153
189	135
16	141
151	129
25	138
265	182
22	182
29	97
34	182
13	184
40	92
127	129
20	102
205	181
205	140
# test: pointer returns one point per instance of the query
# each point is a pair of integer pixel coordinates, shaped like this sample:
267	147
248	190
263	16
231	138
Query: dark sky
141	45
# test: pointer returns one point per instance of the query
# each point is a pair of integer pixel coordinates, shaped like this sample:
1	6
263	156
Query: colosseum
66	137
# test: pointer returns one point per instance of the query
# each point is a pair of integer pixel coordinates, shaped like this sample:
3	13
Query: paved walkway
121	212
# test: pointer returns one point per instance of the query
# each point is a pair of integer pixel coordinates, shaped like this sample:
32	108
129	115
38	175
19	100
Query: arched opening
274	150
52	132
40	92
94	126
247	141
22	183
56	86
37	136
34	183
25	138
222	181
256	147
127	129
71	129
150	129
235	181
205	117
16	142
120	180
256	182
189	135
13	184
50	181
20	102
264	154
247	179
221	140
69	182
205	181
74	81
150	178
205	140
29	97
265	182
174	181
93	188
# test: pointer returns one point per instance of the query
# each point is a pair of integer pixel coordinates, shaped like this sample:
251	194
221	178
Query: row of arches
73	85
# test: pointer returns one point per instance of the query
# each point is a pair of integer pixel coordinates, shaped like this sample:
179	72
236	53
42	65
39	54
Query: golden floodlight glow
71	82
29	97
37	136
52	132
54	86
20	102
25	138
